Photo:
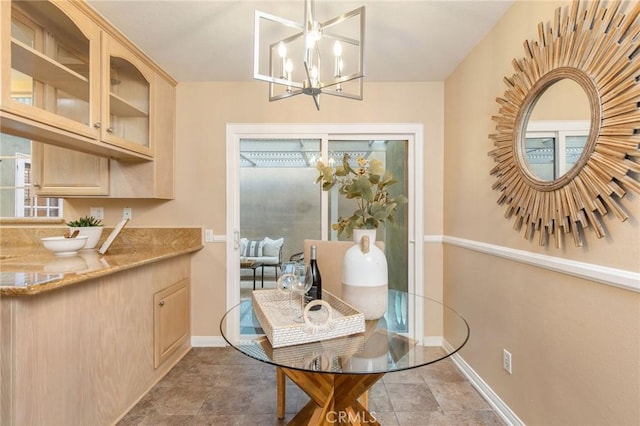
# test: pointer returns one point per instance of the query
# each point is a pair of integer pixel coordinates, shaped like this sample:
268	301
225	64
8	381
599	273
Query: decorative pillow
243	245
253	249
272	247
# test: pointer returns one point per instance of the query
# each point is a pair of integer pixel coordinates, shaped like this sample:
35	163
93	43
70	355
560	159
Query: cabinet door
127	99
171	320
63	172
151	179
50	65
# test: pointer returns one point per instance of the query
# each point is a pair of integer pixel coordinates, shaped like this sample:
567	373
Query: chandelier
310	58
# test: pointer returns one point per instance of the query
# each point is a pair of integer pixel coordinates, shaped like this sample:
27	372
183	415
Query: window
552	148
17	194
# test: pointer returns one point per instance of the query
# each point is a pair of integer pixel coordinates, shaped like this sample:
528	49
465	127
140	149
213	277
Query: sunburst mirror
551	185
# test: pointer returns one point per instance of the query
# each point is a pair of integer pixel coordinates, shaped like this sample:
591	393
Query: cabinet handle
161	303
97	125
36	185
109	129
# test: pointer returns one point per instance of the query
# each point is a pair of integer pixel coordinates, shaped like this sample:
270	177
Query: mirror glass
557	130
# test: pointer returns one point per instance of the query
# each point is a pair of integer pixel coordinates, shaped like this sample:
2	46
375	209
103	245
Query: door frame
411	132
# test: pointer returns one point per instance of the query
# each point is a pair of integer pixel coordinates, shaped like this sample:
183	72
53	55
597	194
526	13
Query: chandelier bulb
337	49
282	50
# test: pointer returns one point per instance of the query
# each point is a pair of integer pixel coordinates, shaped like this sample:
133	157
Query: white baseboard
433	341
502	409
208	342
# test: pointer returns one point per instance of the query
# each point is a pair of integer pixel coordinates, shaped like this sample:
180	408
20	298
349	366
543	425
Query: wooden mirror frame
597	47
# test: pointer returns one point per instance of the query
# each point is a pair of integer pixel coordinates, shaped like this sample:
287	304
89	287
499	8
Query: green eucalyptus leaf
340	171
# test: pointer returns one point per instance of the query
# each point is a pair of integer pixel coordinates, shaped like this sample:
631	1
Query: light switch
97	212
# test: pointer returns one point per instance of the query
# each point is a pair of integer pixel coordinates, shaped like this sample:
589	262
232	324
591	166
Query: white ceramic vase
364	275
93	232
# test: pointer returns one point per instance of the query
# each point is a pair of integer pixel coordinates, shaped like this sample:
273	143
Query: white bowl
93	232
61	246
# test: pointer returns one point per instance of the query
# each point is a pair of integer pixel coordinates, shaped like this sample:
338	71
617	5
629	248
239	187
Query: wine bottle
316	281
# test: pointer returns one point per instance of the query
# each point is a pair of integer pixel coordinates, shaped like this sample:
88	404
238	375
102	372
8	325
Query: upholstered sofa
267	251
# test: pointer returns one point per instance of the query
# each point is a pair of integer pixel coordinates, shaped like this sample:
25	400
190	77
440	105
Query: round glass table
337	373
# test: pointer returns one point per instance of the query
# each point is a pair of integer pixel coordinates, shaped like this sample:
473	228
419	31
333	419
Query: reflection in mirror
554	141
552	148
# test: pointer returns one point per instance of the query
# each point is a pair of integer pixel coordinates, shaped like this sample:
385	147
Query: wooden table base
334	397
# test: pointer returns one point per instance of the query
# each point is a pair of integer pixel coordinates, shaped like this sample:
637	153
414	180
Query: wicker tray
281	330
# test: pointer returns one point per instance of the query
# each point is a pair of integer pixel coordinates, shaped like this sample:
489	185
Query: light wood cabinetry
62	172
71	81
84	354
170	320
50	71
127	99
152	179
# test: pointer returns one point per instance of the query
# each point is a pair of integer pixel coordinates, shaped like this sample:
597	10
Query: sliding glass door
272	194
278	194
280	199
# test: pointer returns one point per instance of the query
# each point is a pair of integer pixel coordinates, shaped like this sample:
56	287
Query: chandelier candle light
288	55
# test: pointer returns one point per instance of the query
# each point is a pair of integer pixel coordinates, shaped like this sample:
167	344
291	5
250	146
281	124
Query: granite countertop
27	268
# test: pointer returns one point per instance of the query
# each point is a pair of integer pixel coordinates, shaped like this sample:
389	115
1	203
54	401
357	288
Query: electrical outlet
208	236
97	212
506	361
126	213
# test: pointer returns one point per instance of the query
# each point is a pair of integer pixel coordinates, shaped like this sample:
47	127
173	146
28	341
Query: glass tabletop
386	345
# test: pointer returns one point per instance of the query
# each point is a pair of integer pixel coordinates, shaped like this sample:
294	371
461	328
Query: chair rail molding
620	278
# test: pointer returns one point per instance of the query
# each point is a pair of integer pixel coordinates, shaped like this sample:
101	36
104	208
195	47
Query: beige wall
204	109
575	342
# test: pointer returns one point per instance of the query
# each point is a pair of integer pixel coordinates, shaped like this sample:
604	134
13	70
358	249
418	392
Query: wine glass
285	284
301	285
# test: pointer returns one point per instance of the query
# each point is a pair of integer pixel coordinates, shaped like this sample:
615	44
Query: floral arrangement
368	186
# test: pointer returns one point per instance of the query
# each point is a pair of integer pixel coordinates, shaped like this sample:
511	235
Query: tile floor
220	386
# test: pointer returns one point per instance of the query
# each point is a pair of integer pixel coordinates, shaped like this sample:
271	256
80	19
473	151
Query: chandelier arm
348	40
280	81
342	79
285	95
343	17
306	69
341	94
284	21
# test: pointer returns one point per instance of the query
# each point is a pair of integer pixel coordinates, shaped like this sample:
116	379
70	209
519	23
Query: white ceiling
212	40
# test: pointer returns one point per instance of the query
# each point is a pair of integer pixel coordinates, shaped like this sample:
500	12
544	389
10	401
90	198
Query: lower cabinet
84	354
170	320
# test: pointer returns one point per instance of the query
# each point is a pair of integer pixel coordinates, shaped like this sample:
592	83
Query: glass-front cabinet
68	80
53	65
126	108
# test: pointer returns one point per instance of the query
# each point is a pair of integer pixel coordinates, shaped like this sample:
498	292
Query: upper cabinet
70	79
126	103
103	111
50	67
